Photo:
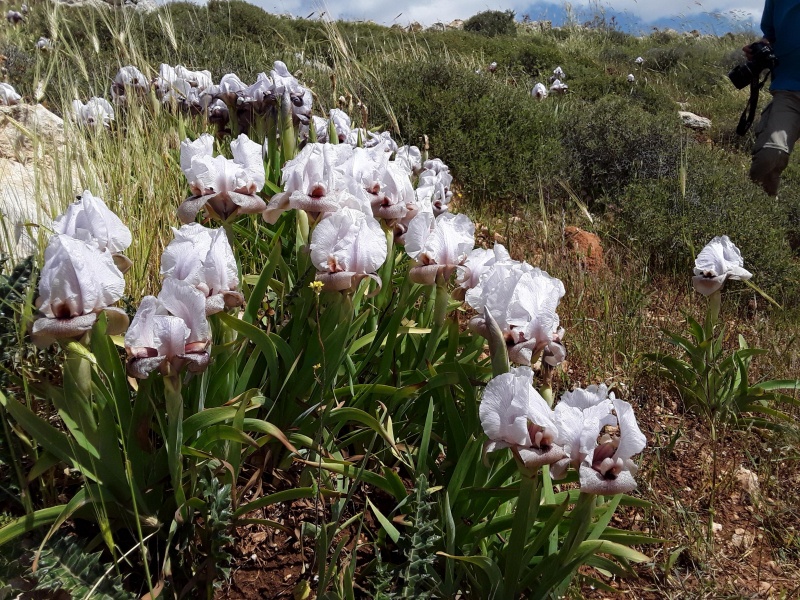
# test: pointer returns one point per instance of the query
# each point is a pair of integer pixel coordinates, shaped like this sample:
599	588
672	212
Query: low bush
492	22
671	226
612	143
500	143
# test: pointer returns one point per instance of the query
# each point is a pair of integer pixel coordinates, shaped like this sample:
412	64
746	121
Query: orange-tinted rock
586	248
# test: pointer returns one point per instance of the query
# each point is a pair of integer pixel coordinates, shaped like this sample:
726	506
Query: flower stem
439	313
497	345
547	383
712	499
530	490
273	160
712	312
233	119
174	440
78	397
288	137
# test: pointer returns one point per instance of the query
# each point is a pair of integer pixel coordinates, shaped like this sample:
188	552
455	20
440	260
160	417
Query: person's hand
748	50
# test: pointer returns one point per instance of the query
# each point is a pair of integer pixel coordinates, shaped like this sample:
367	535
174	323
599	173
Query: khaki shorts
776	133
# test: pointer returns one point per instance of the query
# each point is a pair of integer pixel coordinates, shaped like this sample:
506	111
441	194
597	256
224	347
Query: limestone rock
142	5
535	26
30	136
694	121
456	24
585	248
742	538
748	482
20	120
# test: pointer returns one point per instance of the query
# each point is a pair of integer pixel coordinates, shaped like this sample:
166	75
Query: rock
716	527
30	136
694	121
766	589
15	143
535	26
742	539
456	24
142	5
437	27
585	248
748	482
415	27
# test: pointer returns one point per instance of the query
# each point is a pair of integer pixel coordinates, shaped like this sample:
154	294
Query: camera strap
749	112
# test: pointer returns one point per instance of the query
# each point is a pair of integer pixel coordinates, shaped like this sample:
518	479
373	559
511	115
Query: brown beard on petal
604	451
142	352
545	439
334	266
195	347
62	311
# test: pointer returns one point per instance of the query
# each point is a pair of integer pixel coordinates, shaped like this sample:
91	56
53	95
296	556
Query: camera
763	58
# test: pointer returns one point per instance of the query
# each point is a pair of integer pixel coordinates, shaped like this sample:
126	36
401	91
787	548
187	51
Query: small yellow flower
316	286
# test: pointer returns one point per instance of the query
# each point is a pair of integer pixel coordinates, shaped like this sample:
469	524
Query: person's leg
776	134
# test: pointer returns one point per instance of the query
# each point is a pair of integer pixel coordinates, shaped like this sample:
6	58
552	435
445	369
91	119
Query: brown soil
585	248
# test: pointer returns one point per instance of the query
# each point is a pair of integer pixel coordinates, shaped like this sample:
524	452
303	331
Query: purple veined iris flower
78	281
97	112
8	95
439	245
718	261
522	300
317	181
479	262
347	246
169	332
599	435
128	79
224	187
90	220
409	158
203	257
514	415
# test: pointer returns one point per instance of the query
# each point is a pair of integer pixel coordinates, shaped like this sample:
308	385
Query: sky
710	16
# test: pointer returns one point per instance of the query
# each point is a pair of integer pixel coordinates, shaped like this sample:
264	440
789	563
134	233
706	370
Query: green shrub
612	143
492	23
498	141
536	58
671	228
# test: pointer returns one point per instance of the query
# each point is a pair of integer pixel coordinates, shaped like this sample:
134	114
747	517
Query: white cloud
428	12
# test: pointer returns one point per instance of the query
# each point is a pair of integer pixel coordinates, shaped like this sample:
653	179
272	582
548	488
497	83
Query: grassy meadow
358	493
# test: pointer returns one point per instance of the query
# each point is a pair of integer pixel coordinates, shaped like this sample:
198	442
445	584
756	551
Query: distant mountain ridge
709	22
